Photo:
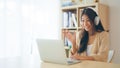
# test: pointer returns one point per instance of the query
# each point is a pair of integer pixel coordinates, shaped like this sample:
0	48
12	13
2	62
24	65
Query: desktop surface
83	64
34	62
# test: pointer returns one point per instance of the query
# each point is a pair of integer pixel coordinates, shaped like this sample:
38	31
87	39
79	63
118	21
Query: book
70	19
74	19
65	19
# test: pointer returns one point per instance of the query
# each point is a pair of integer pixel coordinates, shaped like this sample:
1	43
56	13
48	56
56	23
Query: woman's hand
70	36
76	56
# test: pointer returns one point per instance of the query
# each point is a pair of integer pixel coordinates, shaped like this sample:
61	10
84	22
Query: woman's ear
96	20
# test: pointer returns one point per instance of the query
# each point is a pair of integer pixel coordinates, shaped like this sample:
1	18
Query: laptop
53	51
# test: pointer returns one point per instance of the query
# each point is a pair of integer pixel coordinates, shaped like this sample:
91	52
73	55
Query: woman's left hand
76	56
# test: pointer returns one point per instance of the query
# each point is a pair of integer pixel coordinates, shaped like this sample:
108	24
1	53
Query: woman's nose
85	23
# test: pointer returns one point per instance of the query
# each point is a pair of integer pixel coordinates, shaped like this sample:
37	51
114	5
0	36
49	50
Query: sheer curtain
22	21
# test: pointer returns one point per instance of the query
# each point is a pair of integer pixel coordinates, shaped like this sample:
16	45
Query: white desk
27	62
84	64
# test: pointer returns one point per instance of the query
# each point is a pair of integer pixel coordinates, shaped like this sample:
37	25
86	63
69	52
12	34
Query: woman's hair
95	28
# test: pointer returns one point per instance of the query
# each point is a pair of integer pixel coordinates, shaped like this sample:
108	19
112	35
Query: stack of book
69	19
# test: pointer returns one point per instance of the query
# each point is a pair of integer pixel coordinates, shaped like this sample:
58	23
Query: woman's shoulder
103	34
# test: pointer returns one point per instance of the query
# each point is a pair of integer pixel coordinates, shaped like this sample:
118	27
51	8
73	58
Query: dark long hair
97	28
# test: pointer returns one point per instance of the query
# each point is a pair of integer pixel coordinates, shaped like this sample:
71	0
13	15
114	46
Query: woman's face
85	22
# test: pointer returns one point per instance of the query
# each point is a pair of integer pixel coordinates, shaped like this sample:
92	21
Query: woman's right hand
70	36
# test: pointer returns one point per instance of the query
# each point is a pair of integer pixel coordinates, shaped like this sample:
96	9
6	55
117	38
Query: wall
114	20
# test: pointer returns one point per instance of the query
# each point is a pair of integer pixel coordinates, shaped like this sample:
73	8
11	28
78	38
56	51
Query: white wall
114	20
22	21
47	21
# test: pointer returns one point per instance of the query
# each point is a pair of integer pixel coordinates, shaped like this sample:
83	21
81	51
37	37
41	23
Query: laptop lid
52	50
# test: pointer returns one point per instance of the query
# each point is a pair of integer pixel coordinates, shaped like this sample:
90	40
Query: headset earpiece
96	20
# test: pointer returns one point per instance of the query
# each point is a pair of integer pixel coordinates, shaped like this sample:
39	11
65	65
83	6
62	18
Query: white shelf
78	6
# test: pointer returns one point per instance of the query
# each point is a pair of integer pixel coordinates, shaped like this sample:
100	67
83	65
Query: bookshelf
71	17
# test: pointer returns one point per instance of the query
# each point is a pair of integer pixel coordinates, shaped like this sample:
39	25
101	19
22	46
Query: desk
34	62
83	64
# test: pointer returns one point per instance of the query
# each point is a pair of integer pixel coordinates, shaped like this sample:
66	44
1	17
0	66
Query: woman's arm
103	44
77	56
74	48
72	38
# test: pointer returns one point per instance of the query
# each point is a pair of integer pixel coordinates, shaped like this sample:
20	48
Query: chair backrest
110	55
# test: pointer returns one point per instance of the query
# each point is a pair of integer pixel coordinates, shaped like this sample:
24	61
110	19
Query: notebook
53	51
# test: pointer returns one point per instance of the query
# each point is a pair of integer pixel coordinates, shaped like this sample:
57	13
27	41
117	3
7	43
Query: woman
94	42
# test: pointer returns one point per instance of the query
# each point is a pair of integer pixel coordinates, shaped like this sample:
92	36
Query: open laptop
53	51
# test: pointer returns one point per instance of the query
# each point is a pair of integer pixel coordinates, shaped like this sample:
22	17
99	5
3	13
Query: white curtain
22	21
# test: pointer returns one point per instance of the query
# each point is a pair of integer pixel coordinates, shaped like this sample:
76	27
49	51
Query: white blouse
89	47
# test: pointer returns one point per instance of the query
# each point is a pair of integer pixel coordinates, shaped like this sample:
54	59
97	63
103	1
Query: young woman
93	41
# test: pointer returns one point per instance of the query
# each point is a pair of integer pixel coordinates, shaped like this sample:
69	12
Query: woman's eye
88	20
82	20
